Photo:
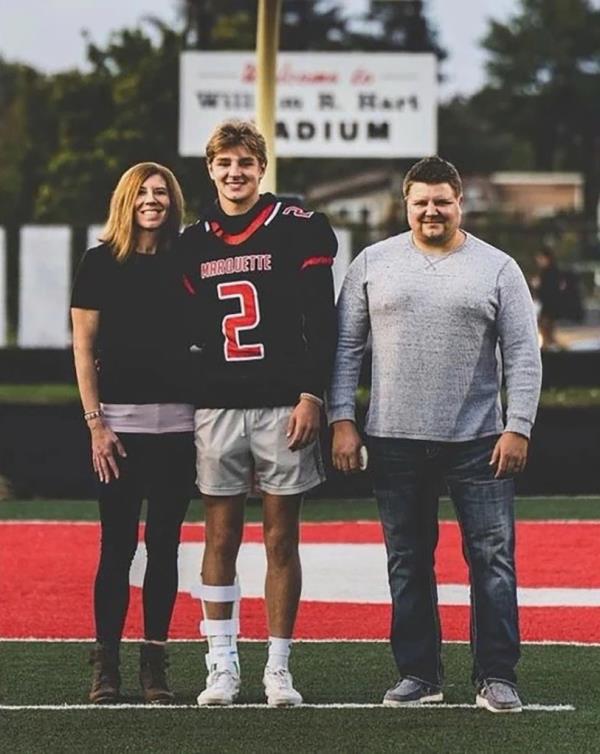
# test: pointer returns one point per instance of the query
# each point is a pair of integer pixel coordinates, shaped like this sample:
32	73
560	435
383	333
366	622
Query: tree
396	27
312	25
27	138
123	111
544	87
472	140
219	24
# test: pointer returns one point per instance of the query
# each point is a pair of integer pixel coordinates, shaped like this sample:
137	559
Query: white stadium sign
328	104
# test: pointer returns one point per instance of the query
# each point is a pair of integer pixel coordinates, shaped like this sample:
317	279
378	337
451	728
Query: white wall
45	276
92	235
343	257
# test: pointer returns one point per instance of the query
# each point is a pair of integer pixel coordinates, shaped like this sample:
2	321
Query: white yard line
243	640
349	705
335	572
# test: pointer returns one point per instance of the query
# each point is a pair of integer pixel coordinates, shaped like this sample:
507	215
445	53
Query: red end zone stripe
47	573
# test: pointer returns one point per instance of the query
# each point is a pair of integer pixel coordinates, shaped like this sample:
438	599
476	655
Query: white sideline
244	640
349	705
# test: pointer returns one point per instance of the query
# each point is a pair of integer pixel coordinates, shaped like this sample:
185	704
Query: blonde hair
237	133
120	231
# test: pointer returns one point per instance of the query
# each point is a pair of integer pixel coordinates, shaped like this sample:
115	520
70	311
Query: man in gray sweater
449	316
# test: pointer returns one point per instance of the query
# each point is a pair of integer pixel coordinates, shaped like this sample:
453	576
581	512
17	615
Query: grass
39	394
56	673
58	393
572	397
530	508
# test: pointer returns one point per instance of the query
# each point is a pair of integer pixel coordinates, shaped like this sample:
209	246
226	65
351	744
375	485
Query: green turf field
56	673
341	672
365	509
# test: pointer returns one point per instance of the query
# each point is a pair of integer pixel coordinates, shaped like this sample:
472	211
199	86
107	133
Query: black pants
160	468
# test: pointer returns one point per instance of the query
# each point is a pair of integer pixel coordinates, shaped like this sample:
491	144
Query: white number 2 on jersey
247	318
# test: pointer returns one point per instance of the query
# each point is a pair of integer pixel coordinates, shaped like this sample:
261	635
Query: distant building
364	198
537	195
375	197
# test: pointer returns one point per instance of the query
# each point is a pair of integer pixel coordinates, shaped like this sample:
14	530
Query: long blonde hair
120	231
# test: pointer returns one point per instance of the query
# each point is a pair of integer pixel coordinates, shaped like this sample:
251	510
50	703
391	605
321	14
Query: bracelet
312	398
97	413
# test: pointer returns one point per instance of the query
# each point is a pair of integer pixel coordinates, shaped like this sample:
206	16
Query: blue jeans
408	476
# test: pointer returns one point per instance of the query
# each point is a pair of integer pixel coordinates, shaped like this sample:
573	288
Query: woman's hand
106	446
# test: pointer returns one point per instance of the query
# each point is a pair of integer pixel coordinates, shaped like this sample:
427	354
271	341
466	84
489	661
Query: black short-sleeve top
143	341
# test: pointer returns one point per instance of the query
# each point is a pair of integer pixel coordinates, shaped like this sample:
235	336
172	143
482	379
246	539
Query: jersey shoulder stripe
316	262
264	217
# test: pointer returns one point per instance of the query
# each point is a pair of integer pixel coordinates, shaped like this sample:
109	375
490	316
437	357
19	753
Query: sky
47	34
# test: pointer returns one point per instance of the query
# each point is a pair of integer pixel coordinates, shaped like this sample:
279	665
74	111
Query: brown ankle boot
106	681
153	674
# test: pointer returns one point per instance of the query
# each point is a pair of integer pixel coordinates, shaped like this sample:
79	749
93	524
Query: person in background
440	305
259	270
547	290
128	311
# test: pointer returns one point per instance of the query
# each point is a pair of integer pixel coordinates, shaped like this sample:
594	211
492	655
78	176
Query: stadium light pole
267	42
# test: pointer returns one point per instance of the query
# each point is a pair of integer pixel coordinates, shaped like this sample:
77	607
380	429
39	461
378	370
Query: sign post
267	42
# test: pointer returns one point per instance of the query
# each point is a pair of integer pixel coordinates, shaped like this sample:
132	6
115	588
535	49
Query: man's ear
209	168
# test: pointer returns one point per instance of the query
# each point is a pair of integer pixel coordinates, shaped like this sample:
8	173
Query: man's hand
303	426
510	454
345	449
104	445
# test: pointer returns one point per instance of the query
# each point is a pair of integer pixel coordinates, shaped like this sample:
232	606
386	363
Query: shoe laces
223	675
501	690
281	677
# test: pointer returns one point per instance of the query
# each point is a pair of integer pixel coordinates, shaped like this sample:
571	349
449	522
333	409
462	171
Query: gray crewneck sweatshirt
443	329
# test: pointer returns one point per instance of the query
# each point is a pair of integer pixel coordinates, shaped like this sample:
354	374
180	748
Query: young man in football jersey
259	271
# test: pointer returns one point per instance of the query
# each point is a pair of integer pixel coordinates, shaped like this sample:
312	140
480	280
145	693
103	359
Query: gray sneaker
411	691
498	696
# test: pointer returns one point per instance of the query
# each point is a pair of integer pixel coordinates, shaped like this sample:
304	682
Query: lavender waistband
149	418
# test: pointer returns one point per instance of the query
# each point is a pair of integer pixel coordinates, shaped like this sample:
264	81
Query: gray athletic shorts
238	450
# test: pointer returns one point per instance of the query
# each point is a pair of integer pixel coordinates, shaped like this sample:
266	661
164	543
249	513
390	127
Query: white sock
279	653
222	651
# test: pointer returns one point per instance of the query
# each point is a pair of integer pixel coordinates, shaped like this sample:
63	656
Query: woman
127	312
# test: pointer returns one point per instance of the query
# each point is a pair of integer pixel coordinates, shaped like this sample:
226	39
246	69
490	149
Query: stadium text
305	130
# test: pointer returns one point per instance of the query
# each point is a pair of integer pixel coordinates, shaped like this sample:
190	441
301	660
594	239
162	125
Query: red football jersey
263	303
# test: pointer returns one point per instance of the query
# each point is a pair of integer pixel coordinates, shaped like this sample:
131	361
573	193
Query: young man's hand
303	426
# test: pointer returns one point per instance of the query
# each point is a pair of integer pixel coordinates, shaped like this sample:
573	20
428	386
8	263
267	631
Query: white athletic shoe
279	688
222	688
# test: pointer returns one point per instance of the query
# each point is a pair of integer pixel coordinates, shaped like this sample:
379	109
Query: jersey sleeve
317	249
90	285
